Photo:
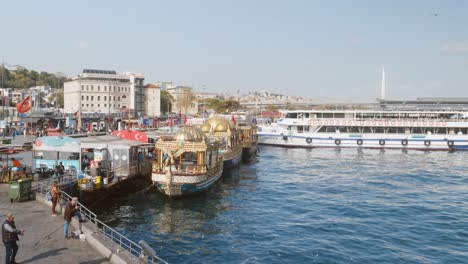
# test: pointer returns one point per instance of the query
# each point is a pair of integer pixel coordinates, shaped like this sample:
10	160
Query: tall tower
382	89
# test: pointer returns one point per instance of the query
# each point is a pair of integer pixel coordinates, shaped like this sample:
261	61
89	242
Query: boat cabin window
327	115
291	115
339	115
379	130
462	130
306	128
300	129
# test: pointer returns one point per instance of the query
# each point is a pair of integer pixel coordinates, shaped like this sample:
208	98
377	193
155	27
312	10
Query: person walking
55	193
9	237
71	210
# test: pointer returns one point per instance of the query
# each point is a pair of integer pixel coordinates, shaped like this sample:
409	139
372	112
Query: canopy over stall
48	152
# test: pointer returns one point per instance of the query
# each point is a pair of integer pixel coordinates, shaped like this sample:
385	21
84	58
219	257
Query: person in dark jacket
71	210
9	237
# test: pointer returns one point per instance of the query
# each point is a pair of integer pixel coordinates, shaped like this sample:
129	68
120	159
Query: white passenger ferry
421	130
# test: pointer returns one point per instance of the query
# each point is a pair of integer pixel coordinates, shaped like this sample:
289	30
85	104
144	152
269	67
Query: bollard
147	250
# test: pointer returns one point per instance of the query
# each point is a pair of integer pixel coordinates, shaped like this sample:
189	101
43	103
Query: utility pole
3	102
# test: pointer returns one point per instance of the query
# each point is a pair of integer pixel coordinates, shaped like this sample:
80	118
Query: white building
99	91
184	100
153	100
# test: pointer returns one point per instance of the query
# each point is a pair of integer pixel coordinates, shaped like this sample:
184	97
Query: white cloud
83	44
456	47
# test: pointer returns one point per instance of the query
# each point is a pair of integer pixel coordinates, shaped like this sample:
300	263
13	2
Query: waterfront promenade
38	222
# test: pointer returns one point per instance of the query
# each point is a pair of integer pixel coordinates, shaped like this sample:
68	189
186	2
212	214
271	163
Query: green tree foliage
271	108
221	106
23	78
166	101
56	99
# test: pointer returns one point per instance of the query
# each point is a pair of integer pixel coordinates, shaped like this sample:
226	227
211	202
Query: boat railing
186	170
415	119
134	250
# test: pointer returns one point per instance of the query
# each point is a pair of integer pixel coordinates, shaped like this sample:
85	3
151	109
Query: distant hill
24	78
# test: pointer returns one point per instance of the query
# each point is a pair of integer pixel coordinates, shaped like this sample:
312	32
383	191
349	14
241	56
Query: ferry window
392	130
322	129
354	130
339	115
306	115
378	130
442	130
306	128
289	127
300	129
327	115
342	129
330	129
291	115
417	130
366	130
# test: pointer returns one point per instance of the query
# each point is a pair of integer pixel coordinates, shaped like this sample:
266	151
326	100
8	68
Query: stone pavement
38	222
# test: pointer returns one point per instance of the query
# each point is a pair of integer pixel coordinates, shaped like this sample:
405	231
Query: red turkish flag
24	105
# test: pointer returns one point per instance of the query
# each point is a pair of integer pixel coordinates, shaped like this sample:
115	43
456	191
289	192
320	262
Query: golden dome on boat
221	127
184	135
205	127
197	133
191	134
220	124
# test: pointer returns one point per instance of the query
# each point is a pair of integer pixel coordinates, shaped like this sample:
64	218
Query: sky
324	50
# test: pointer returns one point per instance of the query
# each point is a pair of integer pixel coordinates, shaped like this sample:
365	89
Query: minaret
382	89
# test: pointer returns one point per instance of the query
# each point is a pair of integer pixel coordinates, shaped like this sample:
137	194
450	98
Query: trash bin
20	190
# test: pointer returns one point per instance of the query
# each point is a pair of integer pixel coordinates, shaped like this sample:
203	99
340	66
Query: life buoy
337	142
359	142
285	137
381	142
404	142
308	140
450	143
427	143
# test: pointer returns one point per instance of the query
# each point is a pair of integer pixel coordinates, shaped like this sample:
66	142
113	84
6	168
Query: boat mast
382	89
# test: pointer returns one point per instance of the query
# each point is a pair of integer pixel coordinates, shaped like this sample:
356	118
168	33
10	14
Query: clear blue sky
320	49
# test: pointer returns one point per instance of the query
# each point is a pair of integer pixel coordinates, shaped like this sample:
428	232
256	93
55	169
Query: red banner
24	105
131	135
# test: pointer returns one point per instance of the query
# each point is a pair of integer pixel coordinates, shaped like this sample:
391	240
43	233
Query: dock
38	222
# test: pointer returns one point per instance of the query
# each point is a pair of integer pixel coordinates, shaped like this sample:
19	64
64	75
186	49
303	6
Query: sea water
312	206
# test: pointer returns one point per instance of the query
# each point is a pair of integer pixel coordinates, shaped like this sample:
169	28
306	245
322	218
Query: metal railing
119	240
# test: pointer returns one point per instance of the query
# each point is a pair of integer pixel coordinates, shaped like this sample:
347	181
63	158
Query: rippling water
313	206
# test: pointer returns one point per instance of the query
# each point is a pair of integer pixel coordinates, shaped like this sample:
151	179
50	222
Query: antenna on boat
382	89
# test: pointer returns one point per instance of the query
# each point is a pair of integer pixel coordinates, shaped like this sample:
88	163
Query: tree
271	108
185	100
56	99
166	101
222	106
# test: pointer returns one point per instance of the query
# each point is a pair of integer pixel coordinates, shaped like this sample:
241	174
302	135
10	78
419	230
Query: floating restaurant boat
225	131
419	130
249	141
102	164
186	163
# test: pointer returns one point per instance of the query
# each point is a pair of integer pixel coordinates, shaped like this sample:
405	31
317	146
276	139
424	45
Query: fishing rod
48	236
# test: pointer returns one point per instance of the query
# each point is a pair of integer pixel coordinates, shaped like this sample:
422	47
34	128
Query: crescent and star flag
24	105
131	135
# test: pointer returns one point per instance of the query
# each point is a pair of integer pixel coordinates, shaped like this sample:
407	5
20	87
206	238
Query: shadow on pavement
46	254
97	261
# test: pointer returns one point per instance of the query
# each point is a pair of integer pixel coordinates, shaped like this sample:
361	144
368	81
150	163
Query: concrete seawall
95	239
